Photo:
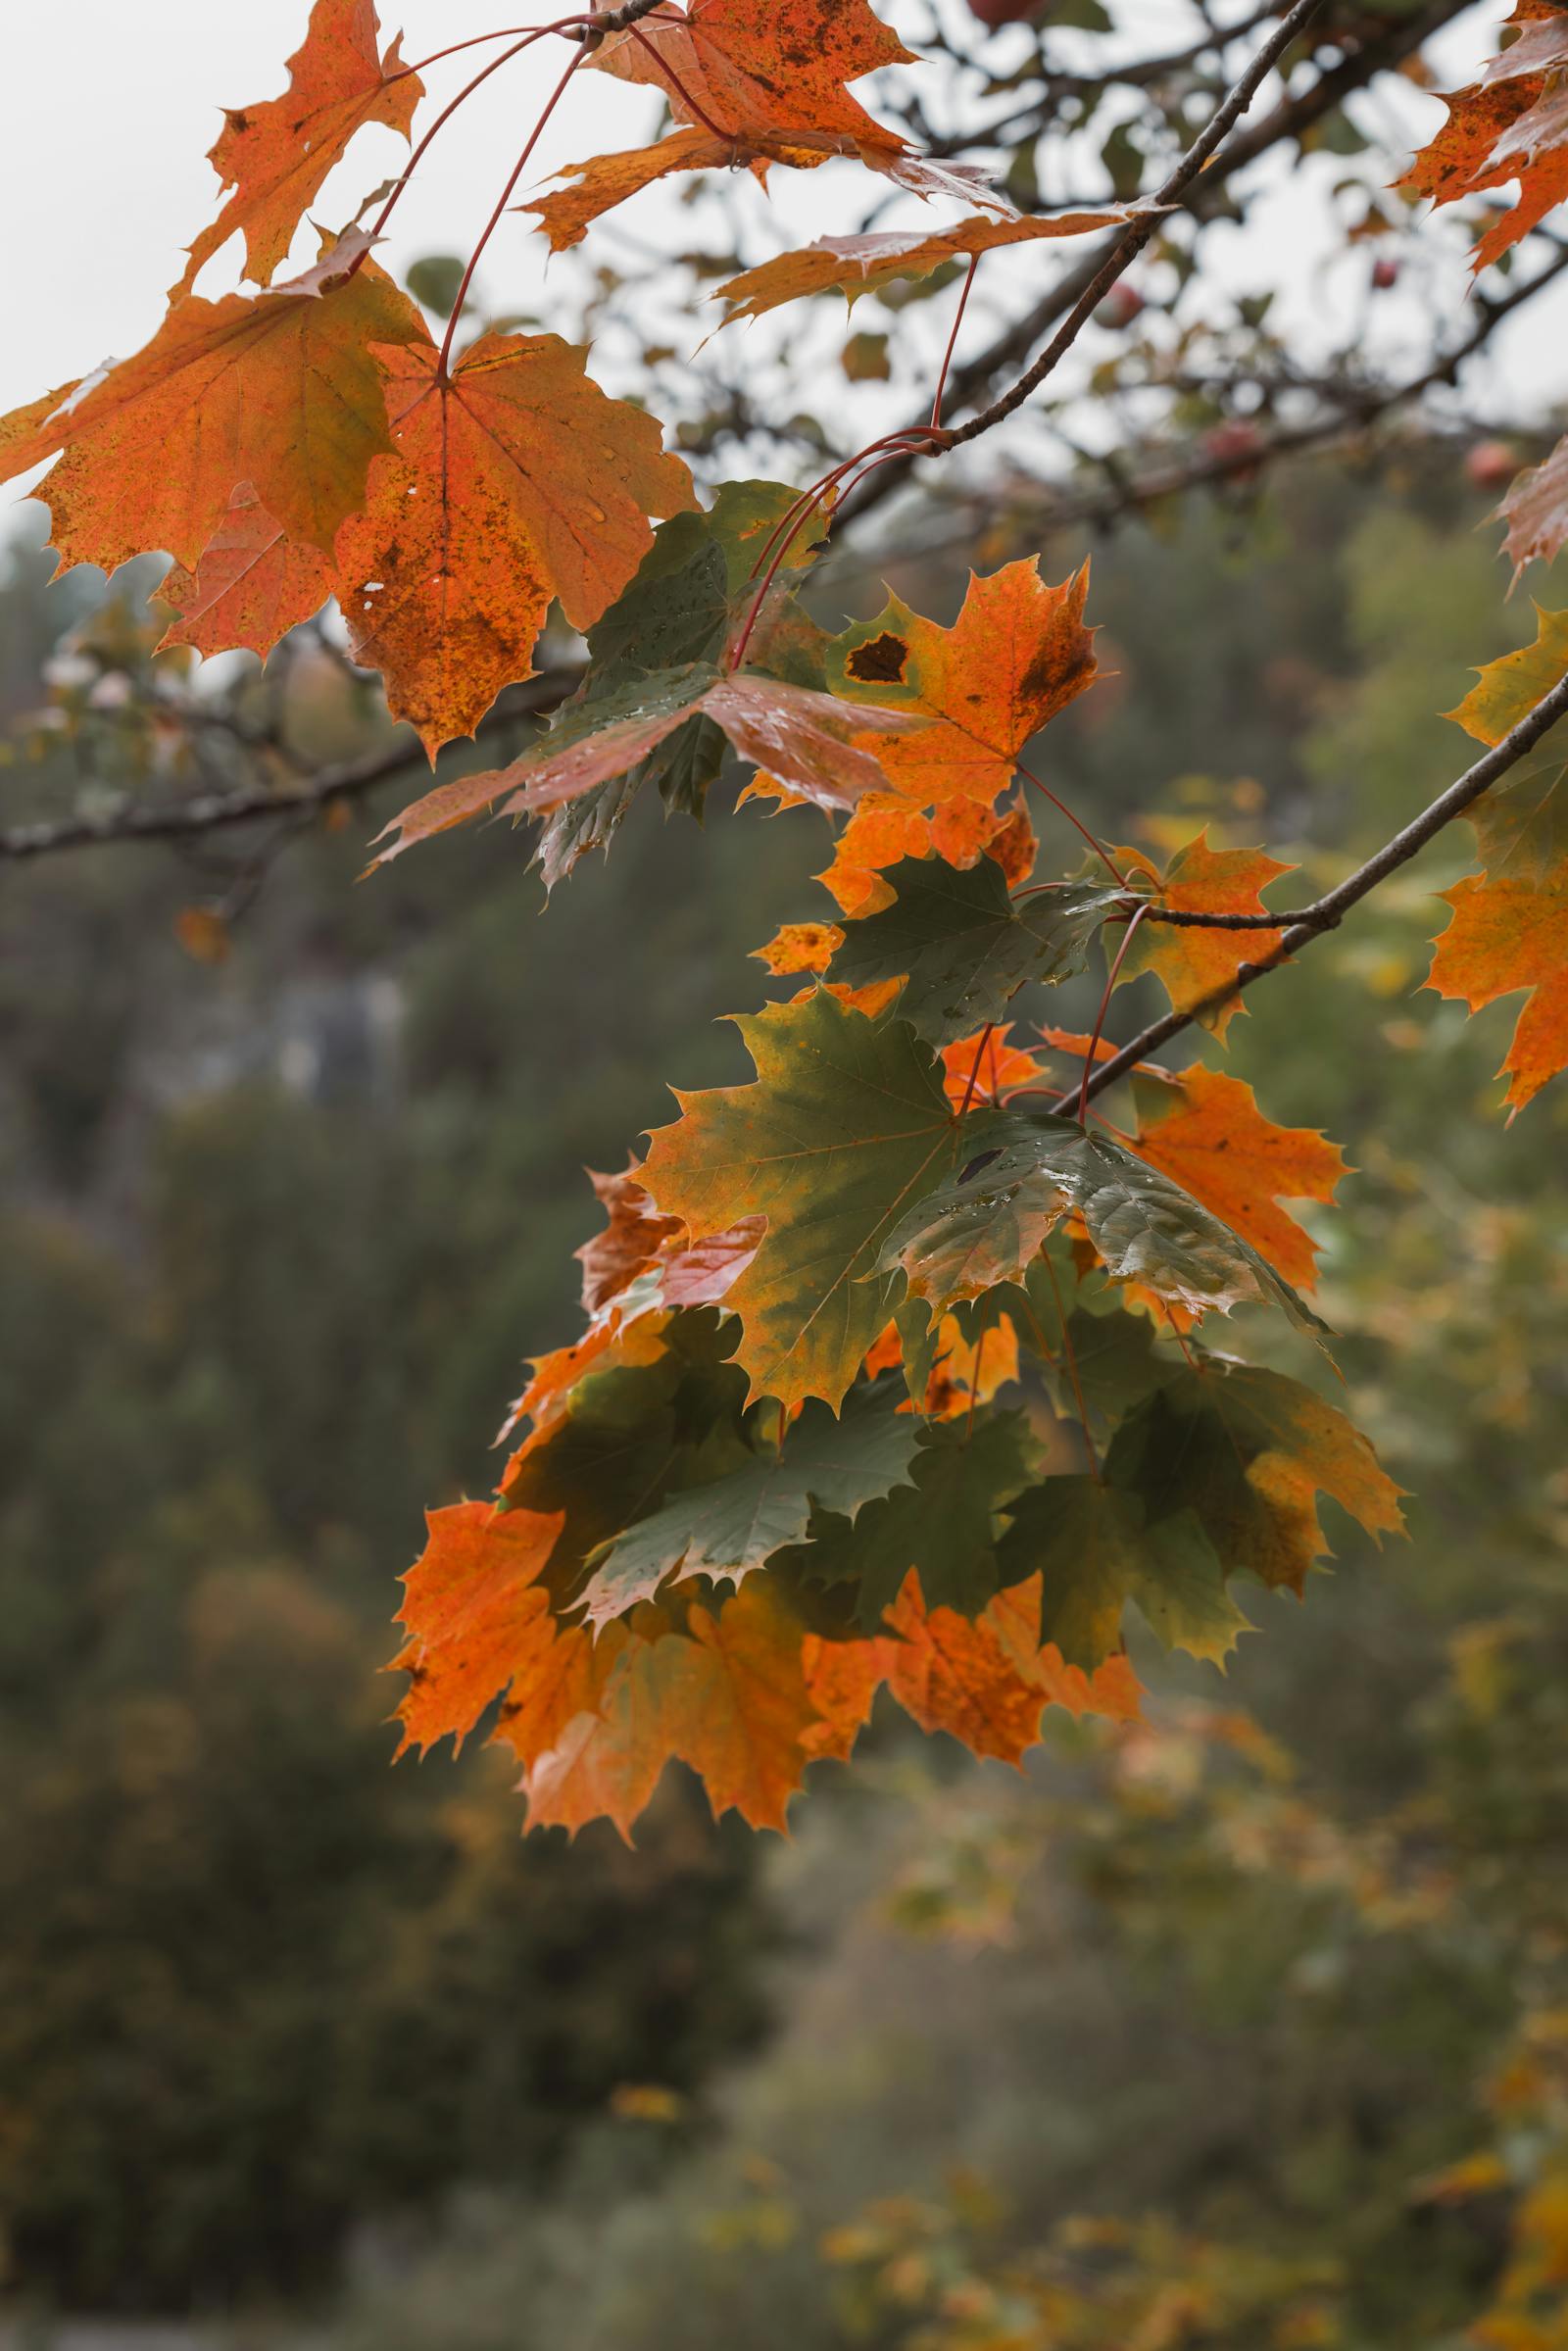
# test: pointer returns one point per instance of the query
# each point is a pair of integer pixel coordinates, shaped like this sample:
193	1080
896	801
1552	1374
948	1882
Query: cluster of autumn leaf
811	1442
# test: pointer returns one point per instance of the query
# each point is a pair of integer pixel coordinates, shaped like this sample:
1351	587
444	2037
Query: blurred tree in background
1244	2030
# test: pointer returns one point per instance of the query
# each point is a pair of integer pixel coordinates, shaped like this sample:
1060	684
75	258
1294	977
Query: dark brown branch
1288	119
1130	244
1329	910
214	811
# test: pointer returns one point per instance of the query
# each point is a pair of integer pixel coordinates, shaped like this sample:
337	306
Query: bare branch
213	811
1287	120
1329	910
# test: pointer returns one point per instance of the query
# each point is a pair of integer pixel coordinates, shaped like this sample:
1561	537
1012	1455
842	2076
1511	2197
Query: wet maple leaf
847	1120
275	156
859	265
603	181
1511	921
1536	511
1017	654
515	480
1193	964
728	1527
800	946
1091	1551
1245	1452
1026	1174
739	67
23	428
1506	935
961	946
987	1681
1003	1065
1207	1131
633	1236
279	390
251	587
809	738
475	1614
1511	125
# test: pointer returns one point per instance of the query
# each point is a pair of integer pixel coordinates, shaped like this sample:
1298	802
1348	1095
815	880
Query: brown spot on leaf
880	661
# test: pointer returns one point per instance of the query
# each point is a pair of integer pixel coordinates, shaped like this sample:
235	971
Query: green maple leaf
731	1526
962	945
943	1524
1092	1551
1023	1175
1245	1452
630	1435
848	1122
679	610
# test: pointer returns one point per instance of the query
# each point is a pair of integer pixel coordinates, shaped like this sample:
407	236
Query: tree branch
1326	912
1288	119
213	811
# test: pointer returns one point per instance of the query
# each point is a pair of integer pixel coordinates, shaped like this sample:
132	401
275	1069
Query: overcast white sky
107	111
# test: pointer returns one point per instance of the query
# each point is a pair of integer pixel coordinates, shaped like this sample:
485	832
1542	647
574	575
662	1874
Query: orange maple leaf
1511	125
859	265
279	390
1003	1065
740	67
1208	1132
514	479
1017	654
251	587
1194	964
602	181
275	156
1511	921
476	1615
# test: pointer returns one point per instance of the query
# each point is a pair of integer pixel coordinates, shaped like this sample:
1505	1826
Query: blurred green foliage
1180	2032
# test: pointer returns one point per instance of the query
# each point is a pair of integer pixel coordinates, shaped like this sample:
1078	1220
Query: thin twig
1330	909
213	812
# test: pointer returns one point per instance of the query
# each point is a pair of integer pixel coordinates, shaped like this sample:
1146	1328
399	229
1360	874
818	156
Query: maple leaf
1511	125
251	587
275	156
942	1523
475	1614
731	1525
603	181
279	390
962	947
804	737
987	1681
626	1433
1536	511
1024	1174
1207	1133
515	480
1508	927
1090	1548
847	1121
728	1695
1017	654
1193	963
797	947
693	589
859	265
778	67
1003	1066
1247	1451
630	1242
